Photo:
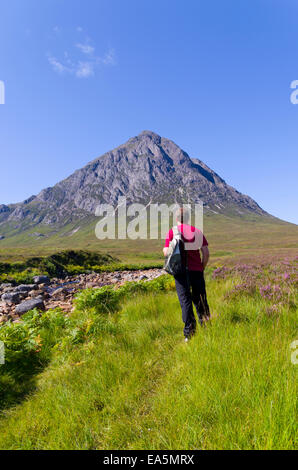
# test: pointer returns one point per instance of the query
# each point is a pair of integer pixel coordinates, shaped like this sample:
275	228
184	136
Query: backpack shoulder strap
175	231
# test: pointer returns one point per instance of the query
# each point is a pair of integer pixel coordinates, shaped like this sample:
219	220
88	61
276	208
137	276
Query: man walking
190	283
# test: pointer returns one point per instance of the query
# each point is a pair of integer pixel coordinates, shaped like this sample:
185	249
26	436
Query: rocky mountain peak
146	168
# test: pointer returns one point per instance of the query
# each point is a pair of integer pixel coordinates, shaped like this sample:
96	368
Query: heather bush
275	282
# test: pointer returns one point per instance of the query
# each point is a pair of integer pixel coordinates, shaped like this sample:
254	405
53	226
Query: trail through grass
134	384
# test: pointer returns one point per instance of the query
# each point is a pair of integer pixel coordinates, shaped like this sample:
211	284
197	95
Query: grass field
228	237
126	379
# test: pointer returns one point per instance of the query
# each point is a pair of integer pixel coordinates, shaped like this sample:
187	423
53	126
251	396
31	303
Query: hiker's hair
182	215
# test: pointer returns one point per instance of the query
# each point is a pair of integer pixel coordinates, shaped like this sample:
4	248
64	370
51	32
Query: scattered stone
29	305
90	285
25	288
39	292
11	297
59	291
41	280
54	293
43	287
6	285
8	289
32	293
23	295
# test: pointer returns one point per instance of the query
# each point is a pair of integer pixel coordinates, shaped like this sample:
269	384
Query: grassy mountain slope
227	237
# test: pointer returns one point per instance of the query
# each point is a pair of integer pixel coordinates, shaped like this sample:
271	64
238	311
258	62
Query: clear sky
83	76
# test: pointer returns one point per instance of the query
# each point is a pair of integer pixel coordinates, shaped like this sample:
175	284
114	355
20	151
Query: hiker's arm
205	255
168	240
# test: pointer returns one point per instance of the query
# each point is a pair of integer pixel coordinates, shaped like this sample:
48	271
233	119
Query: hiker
190	283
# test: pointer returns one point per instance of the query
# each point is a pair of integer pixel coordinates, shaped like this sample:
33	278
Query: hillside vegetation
116	374
63	263
228	237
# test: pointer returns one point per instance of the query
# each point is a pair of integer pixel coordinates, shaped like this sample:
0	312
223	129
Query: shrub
69	262
33	339
107	298
58	265
35	333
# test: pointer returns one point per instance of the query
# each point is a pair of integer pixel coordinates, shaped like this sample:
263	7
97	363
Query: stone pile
45	293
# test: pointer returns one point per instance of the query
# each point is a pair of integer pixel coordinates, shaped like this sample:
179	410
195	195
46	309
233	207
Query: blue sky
81	77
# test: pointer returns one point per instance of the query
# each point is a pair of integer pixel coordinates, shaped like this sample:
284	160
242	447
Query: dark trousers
191	289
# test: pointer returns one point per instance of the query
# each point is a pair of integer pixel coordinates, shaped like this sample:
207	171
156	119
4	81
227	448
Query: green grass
126	380
228	236
68	262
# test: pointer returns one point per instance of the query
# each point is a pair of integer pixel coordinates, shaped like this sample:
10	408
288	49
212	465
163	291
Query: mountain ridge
146	168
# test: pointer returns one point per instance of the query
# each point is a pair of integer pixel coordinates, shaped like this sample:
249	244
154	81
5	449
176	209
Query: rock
7	289
39	292
6	285
32	293
23	295
25	287
4	208
59	291
2	237
91	285
63	295
29	305
41	280
11	297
